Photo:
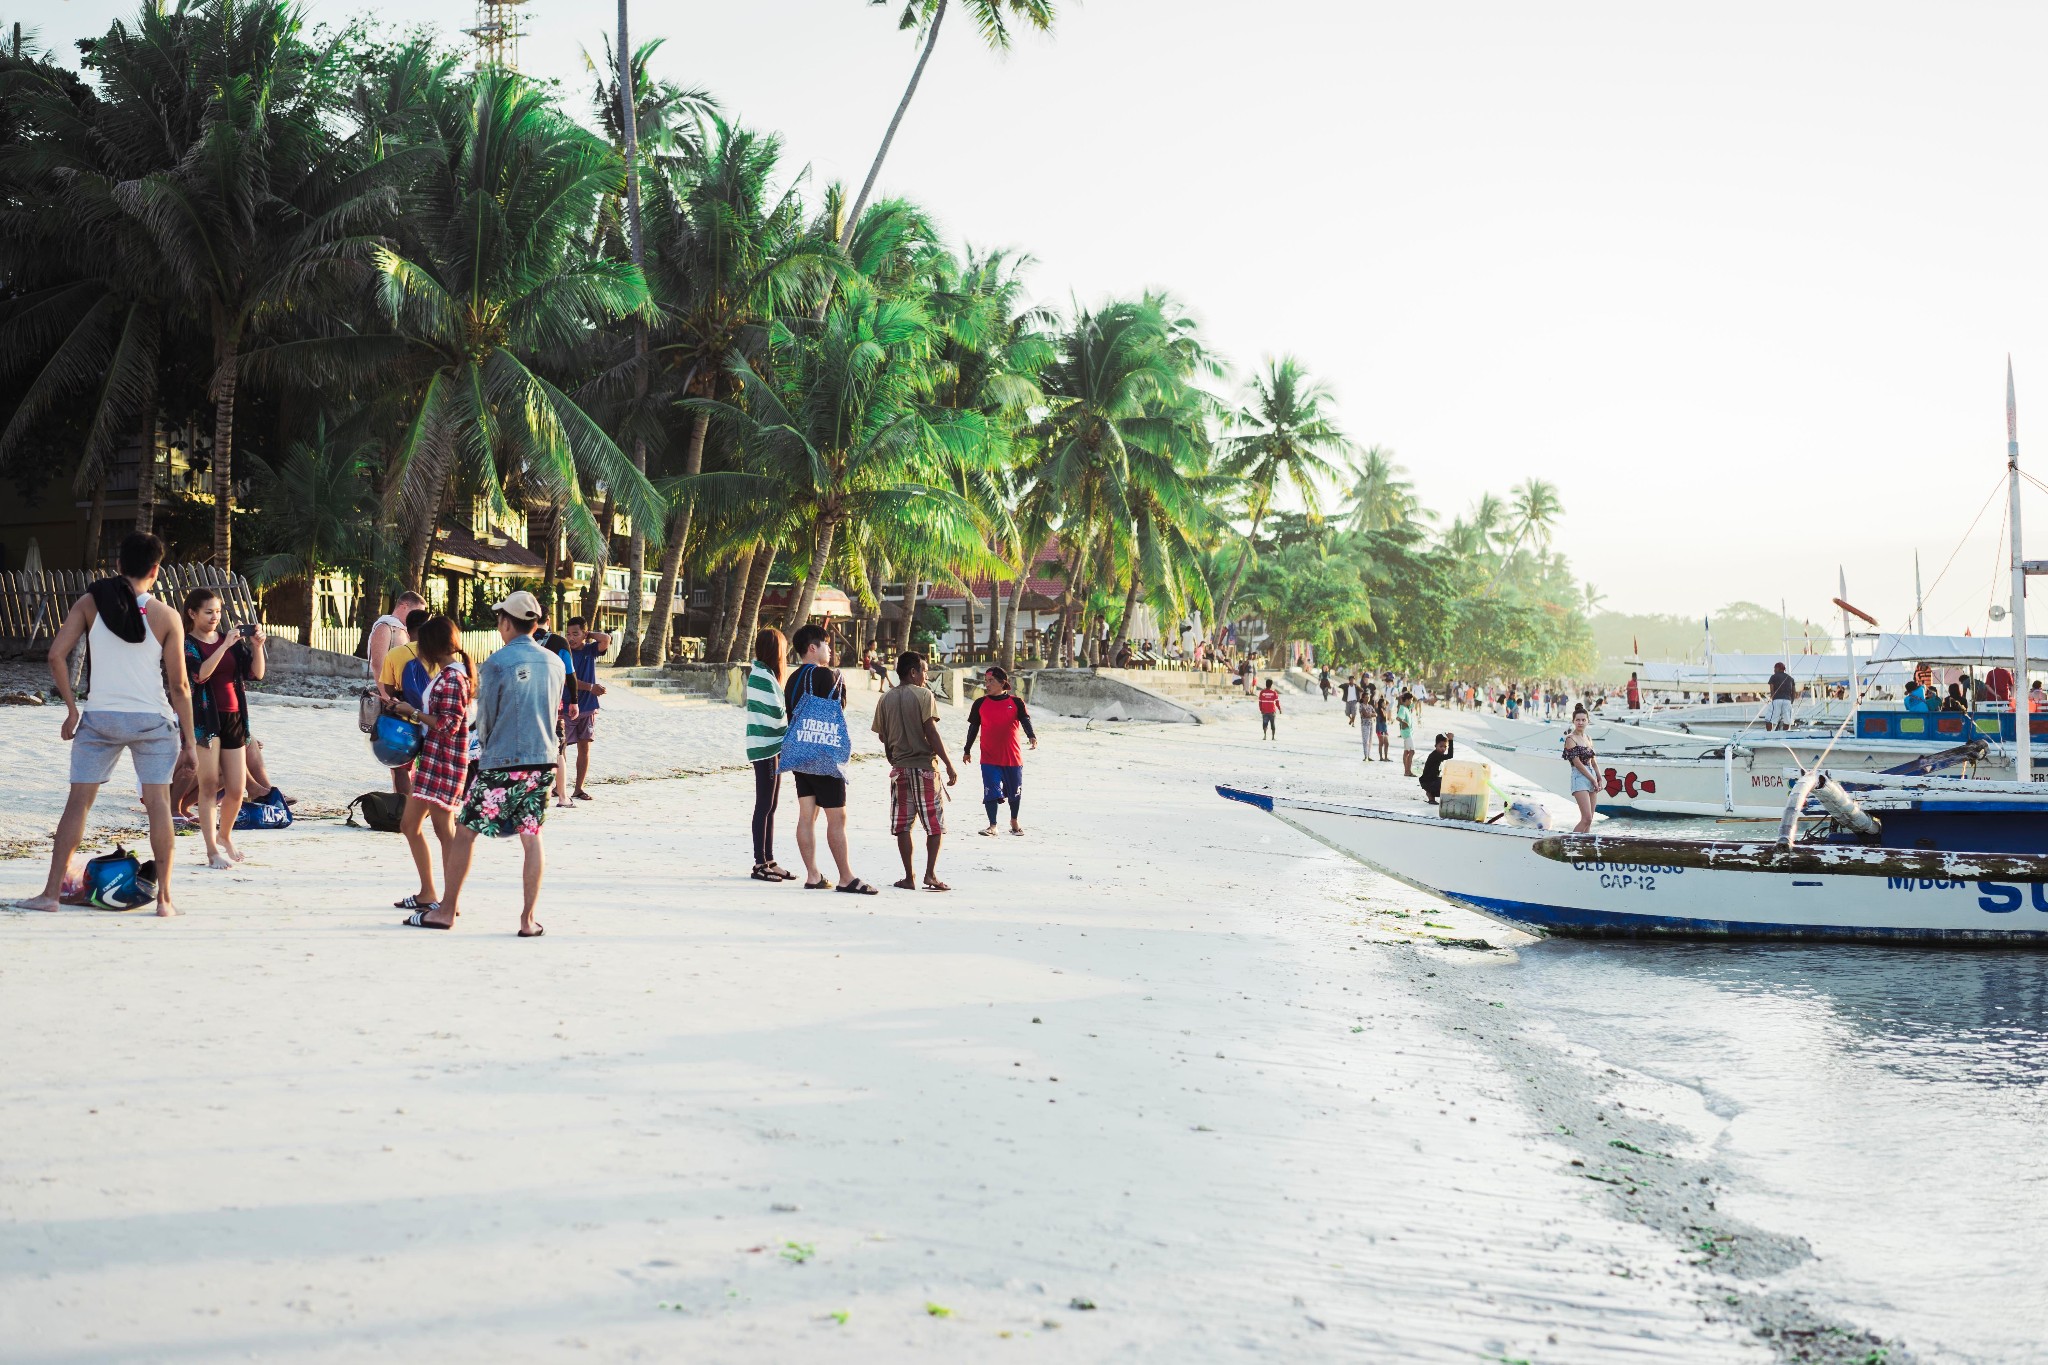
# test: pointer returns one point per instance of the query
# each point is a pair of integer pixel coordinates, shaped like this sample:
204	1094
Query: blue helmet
119	881
396	742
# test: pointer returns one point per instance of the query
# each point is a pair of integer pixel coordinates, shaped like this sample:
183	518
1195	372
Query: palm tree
1381	497
490	285
672	117
1117	390
318	514
991	17
1283	435
845	436
991	350
728	256
240	196
1534	509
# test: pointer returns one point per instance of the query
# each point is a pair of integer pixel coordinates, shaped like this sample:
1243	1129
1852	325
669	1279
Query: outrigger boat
1912	858
1604	886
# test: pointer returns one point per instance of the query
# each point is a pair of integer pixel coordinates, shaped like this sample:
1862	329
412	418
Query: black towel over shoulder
114	600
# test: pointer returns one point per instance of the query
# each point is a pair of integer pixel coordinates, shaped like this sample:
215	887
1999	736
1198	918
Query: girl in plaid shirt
440	772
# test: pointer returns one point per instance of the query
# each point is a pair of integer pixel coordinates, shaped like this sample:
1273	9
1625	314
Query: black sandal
819	885
415	903
762	874
857	887
418	920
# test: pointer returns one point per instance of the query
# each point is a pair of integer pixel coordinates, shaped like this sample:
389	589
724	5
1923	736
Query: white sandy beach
1163	1056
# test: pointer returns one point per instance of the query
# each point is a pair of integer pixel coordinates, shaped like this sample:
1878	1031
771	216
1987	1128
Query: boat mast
2022	721
1919	599
1848	639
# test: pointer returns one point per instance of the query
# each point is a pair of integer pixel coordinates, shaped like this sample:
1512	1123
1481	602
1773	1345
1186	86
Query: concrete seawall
1084	692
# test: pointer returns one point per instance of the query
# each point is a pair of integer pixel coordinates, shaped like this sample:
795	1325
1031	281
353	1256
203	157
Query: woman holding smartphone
217	663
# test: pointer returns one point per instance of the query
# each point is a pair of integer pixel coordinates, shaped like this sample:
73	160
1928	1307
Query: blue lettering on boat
2040	899
1998	898
1923	884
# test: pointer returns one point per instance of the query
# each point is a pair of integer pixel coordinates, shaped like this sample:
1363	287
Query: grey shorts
152	742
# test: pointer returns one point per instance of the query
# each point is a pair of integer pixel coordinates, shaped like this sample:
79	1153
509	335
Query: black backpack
380	810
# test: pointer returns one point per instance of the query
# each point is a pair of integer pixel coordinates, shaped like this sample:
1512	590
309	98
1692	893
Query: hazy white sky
1740	279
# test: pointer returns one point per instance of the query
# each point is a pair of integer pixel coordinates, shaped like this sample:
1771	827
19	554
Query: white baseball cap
522	605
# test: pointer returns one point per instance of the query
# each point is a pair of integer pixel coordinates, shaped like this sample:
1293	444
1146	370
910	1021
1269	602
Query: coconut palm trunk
1009	654
1244	561
757	587
826	531
726	631
931	40
145	470
96	522
654	651
226	358
636	569
1123	625
593	595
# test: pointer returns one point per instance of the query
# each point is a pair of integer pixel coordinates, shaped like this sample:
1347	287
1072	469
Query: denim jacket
517	691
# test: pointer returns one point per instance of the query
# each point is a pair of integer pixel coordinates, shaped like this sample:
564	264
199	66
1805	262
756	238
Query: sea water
1890	1106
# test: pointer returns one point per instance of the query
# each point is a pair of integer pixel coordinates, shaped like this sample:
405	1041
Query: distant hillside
1739	628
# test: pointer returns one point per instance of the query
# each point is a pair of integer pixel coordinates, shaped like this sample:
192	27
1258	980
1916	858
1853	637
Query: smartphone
247	628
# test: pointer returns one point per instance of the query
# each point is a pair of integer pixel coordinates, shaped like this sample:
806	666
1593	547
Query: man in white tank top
140	704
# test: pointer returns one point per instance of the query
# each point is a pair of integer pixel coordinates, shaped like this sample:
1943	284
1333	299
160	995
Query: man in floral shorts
517	690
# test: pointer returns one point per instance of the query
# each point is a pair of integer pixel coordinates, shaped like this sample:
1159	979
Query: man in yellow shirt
391	683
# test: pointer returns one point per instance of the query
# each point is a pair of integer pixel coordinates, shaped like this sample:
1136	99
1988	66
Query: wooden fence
32	605
32	608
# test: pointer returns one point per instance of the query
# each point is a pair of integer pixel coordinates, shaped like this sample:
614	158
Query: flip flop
819	885
935	885
857	887
418	920
905	884
537	931
415	903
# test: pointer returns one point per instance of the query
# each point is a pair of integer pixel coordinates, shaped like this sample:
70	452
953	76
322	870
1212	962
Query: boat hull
1498	872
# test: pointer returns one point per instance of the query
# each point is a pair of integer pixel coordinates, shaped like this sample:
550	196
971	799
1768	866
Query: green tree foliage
394	289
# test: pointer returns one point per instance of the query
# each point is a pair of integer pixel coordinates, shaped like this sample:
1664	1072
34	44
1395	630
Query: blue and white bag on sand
269	813
817	741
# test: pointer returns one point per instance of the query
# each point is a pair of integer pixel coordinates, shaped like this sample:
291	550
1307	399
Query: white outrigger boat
1927	859
1600	886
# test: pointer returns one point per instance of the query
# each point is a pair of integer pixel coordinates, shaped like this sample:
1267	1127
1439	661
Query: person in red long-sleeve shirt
996	716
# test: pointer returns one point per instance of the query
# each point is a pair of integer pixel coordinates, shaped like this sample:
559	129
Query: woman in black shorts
217	662
815	792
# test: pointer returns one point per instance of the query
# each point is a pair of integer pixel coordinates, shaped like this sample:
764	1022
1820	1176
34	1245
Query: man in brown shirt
907	719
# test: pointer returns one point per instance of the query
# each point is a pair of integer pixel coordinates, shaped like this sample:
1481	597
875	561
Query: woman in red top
217	661
439	774
996	716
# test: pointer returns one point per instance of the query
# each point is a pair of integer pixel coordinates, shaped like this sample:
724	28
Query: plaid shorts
914	795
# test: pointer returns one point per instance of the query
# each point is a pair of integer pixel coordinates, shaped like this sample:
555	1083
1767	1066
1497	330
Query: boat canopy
1750	672
1977	652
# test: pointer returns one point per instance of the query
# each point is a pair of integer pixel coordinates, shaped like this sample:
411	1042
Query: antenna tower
497	34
